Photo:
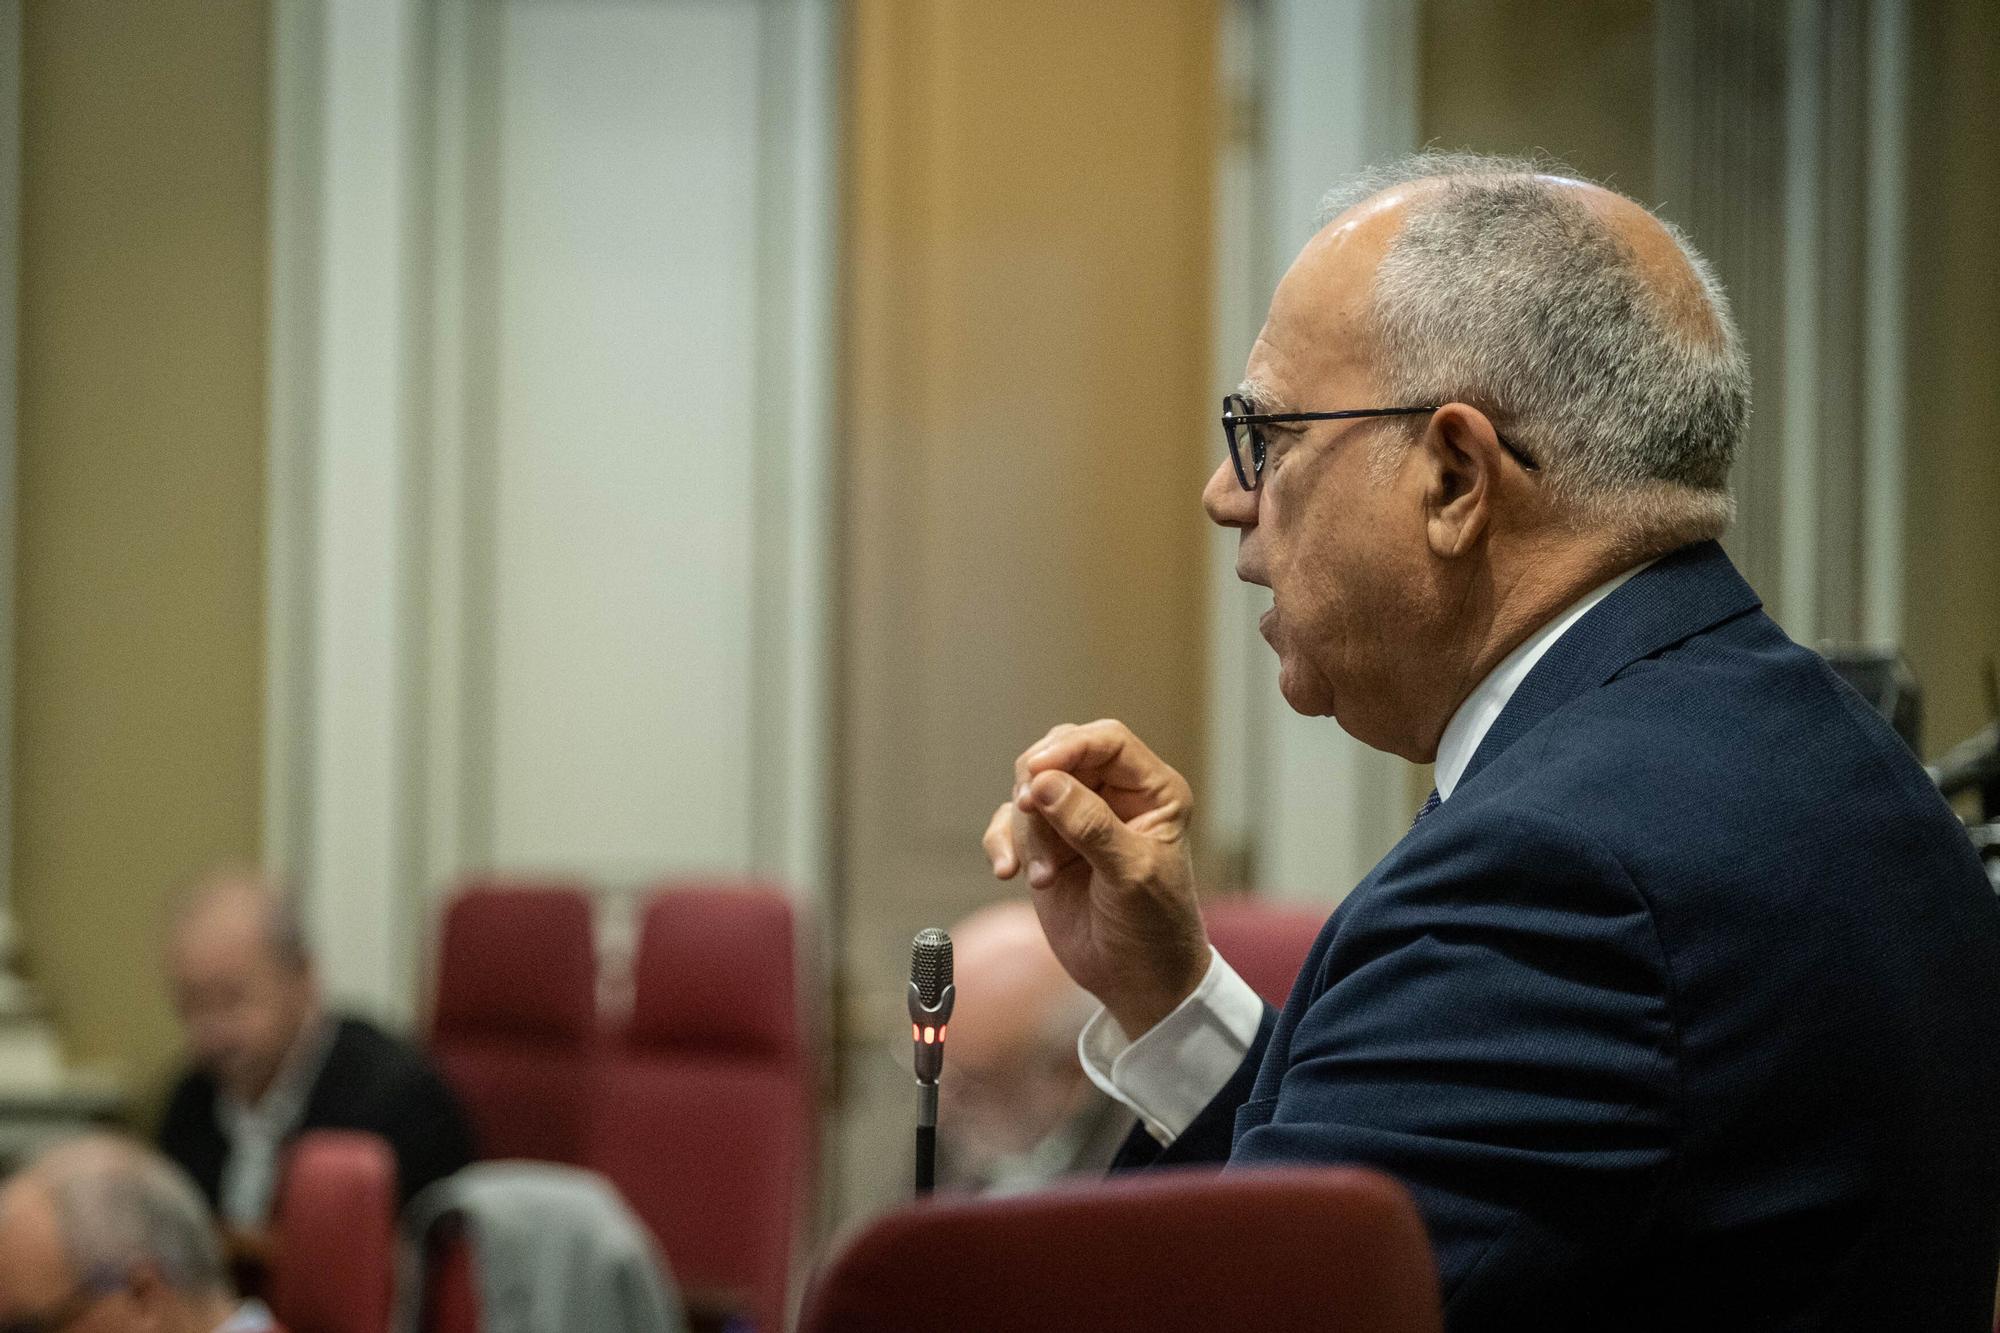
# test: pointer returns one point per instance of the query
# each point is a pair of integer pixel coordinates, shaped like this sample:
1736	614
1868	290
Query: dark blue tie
1431	802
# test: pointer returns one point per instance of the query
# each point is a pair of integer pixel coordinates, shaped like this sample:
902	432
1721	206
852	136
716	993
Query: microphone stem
927	1107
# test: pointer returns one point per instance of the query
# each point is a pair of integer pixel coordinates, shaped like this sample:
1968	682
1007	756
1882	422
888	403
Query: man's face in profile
241	1005
1339	548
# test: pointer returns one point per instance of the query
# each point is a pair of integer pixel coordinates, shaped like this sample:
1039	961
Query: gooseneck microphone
931	994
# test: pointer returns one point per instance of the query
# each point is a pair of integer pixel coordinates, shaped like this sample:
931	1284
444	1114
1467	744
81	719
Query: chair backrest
1265	942
451	1296
515	1024
555	1245
1167	1252
703	1116
334	1255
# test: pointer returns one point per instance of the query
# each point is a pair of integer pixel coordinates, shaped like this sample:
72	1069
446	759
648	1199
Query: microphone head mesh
930	963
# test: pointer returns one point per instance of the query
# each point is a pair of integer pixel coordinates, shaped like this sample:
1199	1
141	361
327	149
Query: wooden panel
1952	522
141	491
1520	76
1026	397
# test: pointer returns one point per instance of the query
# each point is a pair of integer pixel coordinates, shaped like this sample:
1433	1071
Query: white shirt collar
256	1133
285	1100
249	1317
1475	717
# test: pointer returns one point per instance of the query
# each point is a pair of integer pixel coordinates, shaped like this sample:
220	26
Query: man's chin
1306	692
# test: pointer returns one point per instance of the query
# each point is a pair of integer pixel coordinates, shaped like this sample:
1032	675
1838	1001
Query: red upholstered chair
333	1261
1167	1252
703	1116
515	1024
451	1294
1265	942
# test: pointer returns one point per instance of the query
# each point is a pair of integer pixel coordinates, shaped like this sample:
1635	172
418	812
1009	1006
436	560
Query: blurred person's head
1012	1079
242	978
101	1235
1584	392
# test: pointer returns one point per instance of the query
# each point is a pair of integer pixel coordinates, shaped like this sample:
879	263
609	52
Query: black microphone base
926	1159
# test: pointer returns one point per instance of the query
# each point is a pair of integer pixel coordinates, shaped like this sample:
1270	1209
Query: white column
801	96
538	271
345	382
1883	349
1318	806
1238	662
1799	389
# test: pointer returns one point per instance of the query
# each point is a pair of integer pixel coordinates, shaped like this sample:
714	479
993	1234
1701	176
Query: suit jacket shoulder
379	1083
189	1136
1684	1008
365	1069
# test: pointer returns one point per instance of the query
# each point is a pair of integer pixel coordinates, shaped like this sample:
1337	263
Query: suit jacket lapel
1694	589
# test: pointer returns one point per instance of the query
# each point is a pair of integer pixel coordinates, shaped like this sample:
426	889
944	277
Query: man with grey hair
270	1062
1017	1113
101	1236
1679	1004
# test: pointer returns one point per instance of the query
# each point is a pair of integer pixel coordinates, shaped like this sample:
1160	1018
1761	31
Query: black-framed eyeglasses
1242	428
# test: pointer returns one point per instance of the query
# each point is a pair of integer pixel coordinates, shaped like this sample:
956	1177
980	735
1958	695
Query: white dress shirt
256	1134
1177	1067
249	1317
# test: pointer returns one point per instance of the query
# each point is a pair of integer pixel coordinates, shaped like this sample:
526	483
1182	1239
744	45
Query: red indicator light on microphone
930	1035
942	1031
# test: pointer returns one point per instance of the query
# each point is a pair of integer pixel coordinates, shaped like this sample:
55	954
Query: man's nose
1227	503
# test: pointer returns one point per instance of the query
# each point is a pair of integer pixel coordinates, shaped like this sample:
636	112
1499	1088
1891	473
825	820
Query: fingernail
1047	798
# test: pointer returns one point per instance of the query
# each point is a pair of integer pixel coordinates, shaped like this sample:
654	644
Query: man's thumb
1082	819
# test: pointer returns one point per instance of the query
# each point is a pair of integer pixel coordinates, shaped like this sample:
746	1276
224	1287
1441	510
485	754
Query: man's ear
1460	454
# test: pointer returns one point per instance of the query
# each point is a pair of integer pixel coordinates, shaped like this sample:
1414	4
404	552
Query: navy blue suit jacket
1683	1012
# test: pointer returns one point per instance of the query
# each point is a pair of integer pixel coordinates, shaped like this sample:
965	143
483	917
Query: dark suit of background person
370	1081
267	1061
1684	992
1682	1009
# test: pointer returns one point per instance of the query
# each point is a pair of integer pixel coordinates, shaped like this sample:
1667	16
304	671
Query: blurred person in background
1015	1110
269	1062
100	1235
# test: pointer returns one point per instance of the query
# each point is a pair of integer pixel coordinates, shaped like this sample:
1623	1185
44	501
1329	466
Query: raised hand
1100	823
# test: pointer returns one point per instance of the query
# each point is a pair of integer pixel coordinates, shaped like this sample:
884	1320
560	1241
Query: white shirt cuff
1174	1070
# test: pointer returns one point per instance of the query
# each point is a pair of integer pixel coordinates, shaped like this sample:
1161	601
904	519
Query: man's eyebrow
1260	397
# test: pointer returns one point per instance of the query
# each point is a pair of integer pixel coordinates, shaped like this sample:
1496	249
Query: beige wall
1026	334
1026	426
1519	76
1509	76
139	641
1951	609
1577	80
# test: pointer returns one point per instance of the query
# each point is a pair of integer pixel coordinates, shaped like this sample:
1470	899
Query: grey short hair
118	1205
1505	290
